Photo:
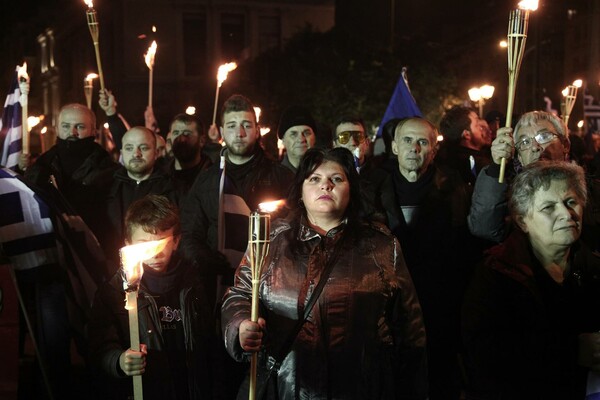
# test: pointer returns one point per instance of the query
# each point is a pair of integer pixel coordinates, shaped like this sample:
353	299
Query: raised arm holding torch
518	24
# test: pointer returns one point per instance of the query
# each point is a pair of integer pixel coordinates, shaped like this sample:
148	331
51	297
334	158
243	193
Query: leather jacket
109	337
364	338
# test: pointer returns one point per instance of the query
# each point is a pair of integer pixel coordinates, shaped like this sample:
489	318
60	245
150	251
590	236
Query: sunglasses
344	137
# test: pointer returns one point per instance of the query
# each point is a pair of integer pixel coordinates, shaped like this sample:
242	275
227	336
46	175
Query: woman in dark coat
364	338
529	314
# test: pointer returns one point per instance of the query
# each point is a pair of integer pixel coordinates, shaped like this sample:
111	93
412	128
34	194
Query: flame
530	5
578	83
154	28
580	124
270	206
280	145
149	56
32	121
91	76
44	130
257	111
264	131
133	255
440	138
190	110
224	70
89	3
22	71
565	91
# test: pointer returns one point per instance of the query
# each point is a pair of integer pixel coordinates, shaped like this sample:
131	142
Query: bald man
137	178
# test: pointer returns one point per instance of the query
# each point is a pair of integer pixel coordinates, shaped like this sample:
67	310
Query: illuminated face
74	124
298	139
326	192
531	150
139	152
240	132
161	145
355	139
159	262
415	147
555	217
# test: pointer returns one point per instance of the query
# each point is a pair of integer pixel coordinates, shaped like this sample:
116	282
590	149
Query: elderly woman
531	307
364	338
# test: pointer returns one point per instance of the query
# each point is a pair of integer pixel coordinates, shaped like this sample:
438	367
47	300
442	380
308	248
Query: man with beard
350	133
245	178
76	166
188	139
297	131
426	209
136	179
215	213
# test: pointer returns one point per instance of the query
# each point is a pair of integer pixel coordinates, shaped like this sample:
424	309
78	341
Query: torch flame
91	76
578	83
32	121
565	91
224	70
89	3
264	131
22	72
149	56
530	5
133	255
44	130
257	111
270	206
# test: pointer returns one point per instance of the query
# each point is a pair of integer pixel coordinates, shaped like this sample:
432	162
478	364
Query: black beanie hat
293	116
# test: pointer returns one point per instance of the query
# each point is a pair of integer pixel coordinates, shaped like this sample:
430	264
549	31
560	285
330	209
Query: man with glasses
350	133
538	135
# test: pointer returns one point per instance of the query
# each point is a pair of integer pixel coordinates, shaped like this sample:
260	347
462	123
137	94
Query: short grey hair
533	117
540	175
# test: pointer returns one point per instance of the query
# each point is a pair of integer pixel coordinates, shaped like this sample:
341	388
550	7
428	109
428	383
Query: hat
294	116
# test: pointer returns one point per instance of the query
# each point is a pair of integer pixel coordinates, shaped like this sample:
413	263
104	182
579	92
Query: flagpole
24	100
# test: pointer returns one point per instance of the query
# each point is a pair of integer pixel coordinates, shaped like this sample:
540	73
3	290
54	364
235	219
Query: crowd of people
411	274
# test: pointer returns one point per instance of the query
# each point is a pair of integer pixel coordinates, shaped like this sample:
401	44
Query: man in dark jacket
136	179
176	358
76	171
426	208
229	192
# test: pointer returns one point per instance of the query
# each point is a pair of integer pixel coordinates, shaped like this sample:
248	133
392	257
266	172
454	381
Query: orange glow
132	257
270	206
224	70
530	5
149	56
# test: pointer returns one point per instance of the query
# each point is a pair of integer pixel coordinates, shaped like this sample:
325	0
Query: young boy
176	323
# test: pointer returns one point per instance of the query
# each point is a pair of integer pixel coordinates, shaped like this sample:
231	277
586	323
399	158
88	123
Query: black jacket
259	180
520	327
109	337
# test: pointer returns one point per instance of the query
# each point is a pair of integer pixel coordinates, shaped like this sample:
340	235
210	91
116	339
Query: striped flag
10	126
26	231
402	104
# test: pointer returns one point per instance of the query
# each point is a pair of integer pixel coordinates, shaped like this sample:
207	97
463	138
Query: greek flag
591	114
10	126
26	231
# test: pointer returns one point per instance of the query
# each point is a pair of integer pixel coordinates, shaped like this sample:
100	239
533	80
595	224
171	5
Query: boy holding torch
176	325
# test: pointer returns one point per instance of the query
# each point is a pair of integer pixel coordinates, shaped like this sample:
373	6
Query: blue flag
10	126
402	104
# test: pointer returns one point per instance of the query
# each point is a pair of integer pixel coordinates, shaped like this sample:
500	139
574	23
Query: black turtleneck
72	153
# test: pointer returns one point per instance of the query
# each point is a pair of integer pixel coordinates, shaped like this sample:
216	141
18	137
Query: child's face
159	262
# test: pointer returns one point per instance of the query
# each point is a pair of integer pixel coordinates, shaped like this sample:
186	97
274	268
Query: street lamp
480	95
